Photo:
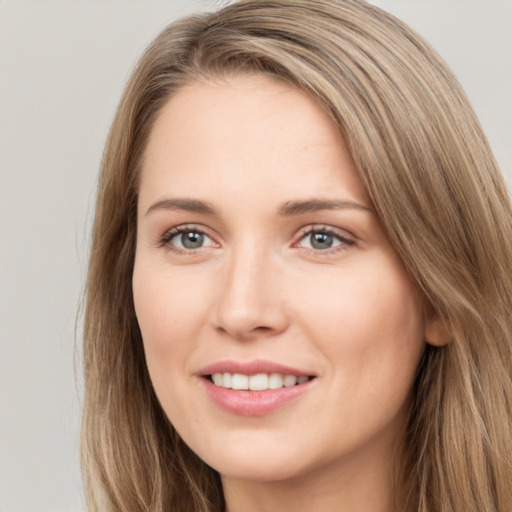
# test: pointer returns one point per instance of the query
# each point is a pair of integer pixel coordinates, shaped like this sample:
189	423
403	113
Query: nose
250	300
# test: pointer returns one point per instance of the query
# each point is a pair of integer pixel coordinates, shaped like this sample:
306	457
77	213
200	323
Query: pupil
321	240
192	240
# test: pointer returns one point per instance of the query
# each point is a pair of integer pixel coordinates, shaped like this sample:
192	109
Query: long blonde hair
434	183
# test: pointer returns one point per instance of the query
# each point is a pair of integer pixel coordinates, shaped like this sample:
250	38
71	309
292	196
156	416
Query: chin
249	460
276	471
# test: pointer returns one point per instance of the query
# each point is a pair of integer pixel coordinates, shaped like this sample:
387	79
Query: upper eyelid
346	239
164	241
342	233
186	227
176	230
301	233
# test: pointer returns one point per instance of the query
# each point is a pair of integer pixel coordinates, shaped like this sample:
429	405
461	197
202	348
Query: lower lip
253	403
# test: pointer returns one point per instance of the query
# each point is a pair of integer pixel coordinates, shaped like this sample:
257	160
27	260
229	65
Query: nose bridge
249	300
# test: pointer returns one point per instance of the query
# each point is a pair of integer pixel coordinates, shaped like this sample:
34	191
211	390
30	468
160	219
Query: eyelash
320	229
165	240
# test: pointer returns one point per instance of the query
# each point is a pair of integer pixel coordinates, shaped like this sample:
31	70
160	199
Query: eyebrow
288	209
188	205
313	205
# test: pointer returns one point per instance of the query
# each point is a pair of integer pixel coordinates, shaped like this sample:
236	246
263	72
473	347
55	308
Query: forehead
246	131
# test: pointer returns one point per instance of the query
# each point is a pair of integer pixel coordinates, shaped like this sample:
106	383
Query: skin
257	289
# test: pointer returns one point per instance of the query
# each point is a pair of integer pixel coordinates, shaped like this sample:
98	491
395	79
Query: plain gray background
62	68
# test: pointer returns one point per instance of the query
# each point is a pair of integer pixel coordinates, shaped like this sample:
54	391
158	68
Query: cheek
368	318
368	326
171	311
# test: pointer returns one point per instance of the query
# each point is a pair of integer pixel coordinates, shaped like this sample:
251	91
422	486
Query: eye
323	239
186	239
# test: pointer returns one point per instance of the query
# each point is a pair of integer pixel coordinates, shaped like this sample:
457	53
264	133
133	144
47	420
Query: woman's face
260	263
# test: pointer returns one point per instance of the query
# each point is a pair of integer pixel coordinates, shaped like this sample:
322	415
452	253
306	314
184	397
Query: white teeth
258	382
226	381
275	381
290	380
217	379
239	381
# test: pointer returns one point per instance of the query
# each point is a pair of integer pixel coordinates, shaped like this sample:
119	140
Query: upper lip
251	368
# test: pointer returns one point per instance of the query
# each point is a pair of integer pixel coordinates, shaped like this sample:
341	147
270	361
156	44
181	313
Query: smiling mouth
257	382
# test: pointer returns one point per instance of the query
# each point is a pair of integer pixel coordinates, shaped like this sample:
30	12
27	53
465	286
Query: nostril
242	333
262	329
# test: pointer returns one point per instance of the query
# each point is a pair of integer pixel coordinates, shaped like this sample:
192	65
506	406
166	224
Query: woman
299	286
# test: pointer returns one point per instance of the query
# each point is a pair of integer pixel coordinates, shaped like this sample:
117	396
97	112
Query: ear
436	332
